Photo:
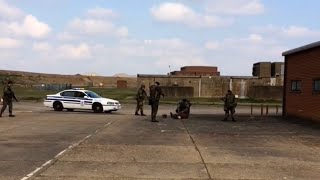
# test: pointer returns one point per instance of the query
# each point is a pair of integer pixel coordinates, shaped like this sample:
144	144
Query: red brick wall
122	84
304	66
198	71
199	68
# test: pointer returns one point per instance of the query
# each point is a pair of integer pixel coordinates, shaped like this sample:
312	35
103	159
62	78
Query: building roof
302	48
179	76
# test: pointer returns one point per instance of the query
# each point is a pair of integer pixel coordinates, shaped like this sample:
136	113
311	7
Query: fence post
261	109
267	109
251	110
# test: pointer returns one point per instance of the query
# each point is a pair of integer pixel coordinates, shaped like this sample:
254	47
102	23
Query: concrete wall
176	91
212	86
266	92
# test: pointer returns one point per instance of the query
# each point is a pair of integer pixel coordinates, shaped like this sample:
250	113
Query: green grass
128	96
119	94
28	93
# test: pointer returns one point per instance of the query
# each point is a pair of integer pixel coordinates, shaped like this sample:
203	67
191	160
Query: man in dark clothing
183	110
140	97
7	97
229	105
155	94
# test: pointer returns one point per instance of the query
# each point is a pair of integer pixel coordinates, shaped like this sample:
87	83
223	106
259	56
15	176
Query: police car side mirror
86	97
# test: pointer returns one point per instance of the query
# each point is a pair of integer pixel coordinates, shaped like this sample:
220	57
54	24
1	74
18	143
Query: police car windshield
92	94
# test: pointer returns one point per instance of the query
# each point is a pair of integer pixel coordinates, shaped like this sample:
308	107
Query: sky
108	37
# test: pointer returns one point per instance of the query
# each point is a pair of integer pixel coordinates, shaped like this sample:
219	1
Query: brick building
197	71
302	82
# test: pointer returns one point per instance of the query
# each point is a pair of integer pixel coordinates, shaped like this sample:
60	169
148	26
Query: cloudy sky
148	36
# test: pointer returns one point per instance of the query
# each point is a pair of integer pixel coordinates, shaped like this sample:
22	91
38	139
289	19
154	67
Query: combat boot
142	114
153	119
137	114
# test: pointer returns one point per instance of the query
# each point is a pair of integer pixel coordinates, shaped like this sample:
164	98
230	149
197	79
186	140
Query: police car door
81	98
68	100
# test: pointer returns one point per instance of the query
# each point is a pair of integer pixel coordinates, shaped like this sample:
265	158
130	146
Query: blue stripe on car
64	100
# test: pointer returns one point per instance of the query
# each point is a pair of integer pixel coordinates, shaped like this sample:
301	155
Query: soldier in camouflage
140	97
7	97
229	105
183	110
155	94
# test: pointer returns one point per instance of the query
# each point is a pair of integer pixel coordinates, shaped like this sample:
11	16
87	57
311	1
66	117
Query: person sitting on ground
183	110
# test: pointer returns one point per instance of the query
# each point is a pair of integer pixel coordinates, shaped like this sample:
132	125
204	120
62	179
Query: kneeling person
183	110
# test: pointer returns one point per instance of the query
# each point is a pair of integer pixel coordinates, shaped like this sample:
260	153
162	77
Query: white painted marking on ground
63	152
24	111
89	136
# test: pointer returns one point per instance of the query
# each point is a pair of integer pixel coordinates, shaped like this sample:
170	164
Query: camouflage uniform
183	110
7	97
155	94
229	105
140	97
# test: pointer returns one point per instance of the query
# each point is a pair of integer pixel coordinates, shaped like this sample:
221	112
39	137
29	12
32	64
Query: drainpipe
199	86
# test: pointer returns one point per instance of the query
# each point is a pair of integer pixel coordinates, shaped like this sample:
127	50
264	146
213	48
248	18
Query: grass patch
119	94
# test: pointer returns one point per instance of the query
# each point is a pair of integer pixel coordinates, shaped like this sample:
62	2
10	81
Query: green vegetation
128	96
113	93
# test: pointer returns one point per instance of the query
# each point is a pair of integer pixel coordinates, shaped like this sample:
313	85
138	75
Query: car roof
76	89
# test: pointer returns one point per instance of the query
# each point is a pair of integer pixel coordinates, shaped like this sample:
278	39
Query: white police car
80	99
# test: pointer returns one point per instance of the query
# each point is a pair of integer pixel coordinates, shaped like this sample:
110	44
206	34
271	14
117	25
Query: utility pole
169	75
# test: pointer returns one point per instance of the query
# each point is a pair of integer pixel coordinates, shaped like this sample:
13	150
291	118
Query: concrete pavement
123	146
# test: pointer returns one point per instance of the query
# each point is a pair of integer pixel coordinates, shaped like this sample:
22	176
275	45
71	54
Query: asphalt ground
43	144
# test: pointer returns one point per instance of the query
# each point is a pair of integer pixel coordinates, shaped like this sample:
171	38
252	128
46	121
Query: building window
296	86
316	85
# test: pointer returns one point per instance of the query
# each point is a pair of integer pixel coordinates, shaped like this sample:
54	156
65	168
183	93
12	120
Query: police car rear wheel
57	106
97	108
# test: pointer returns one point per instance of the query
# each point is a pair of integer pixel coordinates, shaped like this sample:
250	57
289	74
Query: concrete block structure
302	82
277	69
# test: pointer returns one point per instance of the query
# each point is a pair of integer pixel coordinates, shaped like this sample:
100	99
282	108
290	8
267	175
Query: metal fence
52	87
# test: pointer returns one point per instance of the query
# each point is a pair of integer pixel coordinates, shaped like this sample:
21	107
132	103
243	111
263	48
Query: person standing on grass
8	96
140	97
155	94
